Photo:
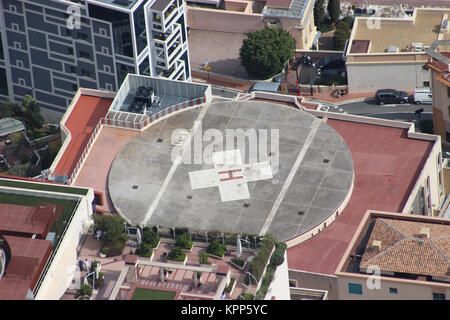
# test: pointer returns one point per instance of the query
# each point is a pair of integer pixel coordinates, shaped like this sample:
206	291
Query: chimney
376	244
424	233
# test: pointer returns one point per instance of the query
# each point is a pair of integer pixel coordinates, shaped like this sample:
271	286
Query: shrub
105	250
341	35
203	257
277	257
238	261
260	260
144	250
150	237
176	254
216	248
334	10
184	241
247	296
113	232
84	293
230	286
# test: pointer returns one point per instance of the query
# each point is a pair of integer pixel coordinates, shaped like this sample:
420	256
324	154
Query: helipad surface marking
230	175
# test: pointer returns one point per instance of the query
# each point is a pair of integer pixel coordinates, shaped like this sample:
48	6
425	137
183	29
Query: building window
292	283
12	8
393	290
21	81
354	288
86	73
19	63
70	51
17	45
107	68
74	87
84	54
426	83
83	36
109	86
103	32
15	26
73	69
438	296
105	50
424	68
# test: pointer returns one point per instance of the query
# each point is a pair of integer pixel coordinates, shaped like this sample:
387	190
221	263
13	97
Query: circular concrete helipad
246	167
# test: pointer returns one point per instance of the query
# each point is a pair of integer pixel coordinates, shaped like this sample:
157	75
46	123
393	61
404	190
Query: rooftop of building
402	246
33	218
387	164
285	8
120	4
439	60
407	34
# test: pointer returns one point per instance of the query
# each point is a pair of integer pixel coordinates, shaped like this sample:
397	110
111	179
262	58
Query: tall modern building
50	48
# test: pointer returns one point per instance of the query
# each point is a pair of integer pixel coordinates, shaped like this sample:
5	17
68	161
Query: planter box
238	266
178	262
214	256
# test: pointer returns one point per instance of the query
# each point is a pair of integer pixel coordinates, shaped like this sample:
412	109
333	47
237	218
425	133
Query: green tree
150	237
184	241
319	12
32	112
341	35
334	10
112	228
265	52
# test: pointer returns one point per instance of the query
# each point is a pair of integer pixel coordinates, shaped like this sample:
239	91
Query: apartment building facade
439	64
50	48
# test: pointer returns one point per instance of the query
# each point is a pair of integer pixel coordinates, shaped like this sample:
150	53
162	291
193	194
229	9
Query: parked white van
423	96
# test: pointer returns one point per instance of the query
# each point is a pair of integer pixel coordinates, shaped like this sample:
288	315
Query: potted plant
104	252
84	293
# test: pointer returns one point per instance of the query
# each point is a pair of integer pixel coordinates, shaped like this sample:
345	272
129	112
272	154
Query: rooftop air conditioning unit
392	49
416	46
424	233
376	244
444	25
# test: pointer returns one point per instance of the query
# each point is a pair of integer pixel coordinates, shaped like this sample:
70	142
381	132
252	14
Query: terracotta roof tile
404	250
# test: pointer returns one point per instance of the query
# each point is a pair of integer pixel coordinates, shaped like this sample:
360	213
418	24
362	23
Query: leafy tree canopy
265	52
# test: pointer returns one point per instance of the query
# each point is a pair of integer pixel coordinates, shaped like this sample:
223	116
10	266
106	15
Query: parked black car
391	96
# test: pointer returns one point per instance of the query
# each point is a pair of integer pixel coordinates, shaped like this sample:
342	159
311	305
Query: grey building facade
44	55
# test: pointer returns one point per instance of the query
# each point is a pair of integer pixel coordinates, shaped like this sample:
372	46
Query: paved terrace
386	167
81	123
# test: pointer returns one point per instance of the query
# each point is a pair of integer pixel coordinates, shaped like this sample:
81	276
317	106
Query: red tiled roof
81	123
386	167
28	259
404	250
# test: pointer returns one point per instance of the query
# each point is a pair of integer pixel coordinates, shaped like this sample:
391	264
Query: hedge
260	261
216	248
176	254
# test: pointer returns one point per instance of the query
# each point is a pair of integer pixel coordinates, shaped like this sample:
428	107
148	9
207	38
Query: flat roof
400	32
411	3
283	4
386	166
146	187
21	277
81	122
296	8
28	220
123	4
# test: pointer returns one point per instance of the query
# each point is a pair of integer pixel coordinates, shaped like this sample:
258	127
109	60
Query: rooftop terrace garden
151	294
42	187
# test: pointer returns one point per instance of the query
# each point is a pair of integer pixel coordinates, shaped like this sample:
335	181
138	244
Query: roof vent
424	233
376	244
416	46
